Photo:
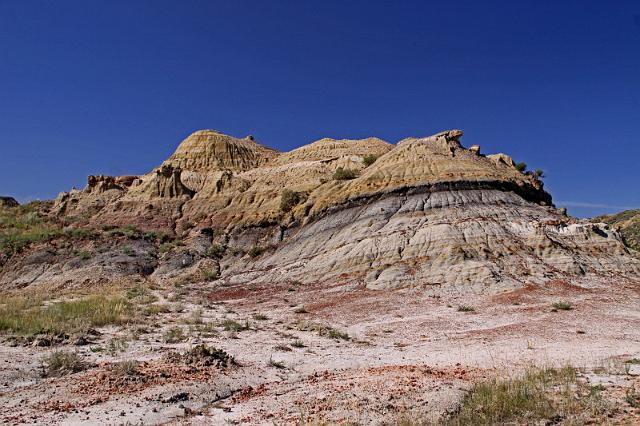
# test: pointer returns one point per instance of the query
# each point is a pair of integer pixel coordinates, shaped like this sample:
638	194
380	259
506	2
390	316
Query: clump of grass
322	330
156	309
466	308
277	364
174	335
196	317
369	159
256	251
344	174
260	317
116	345
209	275
27	315
129	231
288	200
84	254
168	246
632	397
159	237
216	251
298	343
235	326
60	363
562	306
127	368
128	250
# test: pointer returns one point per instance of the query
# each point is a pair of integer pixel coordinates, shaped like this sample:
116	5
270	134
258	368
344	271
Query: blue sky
111	87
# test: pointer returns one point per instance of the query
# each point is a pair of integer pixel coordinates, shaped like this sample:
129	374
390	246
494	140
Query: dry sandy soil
408	352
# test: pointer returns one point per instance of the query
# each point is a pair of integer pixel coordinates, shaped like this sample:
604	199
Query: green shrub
369	159
344	174
288	200
216	251
522	167
256	251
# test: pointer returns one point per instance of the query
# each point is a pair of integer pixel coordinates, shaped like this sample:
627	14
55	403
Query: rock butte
428	212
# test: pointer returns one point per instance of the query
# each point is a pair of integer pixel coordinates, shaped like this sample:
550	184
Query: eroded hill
425	212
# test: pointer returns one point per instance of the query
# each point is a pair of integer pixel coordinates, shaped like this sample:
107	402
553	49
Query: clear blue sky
111	87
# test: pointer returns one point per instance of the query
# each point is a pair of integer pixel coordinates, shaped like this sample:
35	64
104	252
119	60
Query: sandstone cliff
425	212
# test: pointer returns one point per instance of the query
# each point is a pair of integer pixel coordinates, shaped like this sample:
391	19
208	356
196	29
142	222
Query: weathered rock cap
8	202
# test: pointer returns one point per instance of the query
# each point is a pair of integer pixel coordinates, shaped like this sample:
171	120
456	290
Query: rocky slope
628	223
426	212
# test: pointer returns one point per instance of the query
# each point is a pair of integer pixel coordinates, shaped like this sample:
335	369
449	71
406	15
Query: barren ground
409	352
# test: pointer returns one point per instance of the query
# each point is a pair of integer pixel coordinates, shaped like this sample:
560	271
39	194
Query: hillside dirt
340	354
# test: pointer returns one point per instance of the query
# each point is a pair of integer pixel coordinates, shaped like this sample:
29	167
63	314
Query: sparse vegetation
369	159
24	225
562	306
117	345
60	363
231	325
28	315
288	200
539	395
344	174
84	254
321	329
174	335
632	397
466	308
277	364
216	251
256	251
127	368
298	343
522	167
210	275
260	317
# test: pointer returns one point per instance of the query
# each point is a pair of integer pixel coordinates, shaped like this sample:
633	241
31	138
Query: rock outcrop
627	223
8	202
425	212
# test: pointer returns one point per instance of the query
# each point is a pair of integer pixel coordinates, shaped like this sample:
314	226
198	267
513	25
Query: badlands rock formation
428	212
628	223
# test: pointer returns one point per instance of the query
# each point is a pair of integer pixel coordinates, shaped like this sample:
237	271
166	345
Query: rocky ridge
424	212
